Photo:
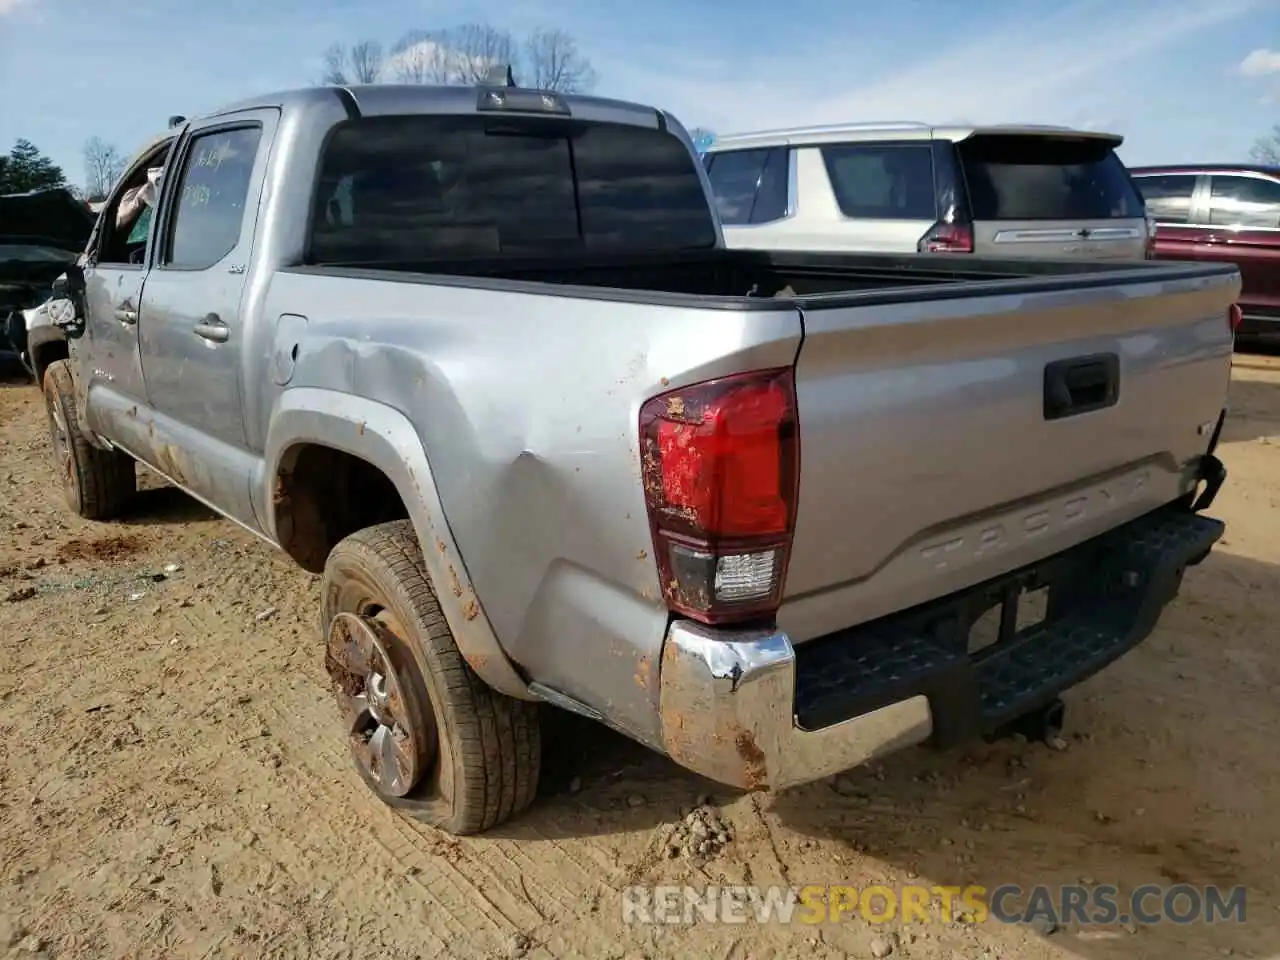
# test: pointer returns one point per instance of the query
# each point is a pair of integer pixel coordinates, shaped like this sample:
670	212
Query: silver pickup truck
479	356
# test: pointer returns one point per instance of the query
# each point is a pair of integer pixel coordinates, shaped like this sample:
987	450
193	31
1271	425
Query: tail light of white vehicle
1152	227
1235	317
947	238
721	465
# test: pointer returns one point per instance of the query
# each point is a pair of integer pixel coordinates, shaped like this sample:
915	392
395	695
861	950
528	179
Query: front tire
97	484
429	737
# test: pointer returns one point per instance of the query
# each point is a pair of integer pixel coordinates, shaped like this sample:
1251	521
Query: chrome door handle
126	314
212	328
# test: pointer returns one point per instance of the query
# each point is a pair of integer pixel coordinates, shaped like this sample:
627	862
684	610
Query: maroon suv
1222	212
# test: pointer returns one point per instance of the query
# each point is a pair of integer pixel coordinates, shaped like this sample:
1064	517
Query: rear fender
384	437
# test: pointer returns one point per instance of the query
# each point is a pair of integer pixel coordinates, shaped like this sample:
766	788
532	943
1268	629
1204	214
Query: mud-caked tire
482	762
97	484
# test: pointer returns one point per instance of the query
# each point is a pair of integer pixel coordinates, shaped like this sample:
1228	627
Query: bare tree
554	62
547	59
423	56
480	47
362	62
103	166
1267	149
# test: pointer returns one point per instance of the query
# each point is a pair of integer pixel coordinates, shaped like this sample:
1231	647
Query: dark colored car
1227	213
41	232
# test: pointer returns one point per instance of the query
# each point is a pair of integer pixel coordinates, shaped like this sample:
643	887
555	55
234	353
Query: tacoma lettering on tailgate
1012	529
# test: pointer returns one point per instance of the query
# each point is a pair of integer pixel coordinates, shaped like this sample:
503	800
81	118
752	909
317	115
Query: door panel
115	274
1180	242
192	336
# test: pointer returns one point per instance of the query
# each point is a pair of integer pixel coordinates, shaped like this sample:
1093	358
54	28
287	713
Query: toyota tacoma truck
480	358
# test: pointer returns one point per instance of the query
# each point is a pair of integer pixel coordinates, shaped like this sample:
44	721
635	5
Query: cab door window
210	198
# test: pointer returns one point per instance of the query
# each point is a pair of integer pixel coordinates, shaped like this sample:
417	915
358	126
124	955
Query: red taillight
1235	317
721	461
947	238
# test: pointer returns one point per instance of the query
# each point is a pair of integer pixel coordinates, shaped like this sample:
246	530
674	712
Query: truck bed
739	278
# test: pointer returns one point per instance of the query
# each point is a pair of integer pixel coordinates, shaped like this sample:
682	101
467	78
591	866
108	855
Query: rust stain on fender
454	583
471	609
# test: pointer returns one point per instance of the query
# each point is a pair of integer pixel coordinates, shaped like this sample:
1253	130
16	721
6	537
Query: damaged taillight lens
721	462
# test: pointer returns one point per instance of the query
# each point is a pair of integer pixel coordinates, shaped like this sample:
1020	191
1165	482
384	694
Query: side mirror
71	287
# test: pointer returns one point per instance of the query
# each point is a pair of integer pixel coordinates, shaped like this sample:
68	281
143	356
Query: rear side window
750	186
1013	177
436	187
882	181
1168	196
1244	202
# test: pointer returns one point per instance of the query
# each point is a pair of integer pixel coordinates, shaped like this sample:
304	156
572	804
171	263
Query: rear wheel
97	484
428	736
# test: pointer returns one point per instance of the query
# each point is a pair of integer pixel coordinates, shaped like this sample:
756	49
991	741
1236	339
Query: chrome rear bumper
726	713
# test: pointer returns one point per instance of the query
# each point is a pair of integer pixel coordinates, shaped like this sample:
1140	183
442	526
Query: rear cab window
414	188
874	181
1036	177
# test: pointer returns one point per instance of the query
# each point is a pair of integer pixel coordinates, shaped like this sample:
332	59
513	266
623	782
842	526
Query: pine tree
26	168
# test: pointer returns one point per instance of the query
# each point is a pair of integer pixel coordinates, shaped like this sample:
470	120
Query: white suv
1005	191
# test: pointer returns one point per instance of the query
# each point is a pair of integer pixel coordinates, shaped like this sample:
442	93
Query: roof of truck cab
383	99
893	130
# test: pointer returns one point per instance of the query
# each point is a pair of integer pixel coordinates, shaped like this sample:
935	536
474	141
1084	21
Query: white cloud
435	60
1260	63
1067	67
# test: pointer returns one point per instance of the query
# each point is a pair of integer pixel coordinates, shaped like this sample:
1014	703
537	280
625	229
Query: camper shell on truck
480	358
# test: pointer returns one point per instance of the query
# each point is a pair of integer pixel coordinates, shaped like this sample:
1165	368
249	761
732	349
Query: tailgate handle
1080	385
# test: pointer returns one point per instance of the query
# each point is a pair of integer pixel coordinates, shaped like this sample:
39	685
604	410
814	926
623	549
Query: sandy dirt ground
173	782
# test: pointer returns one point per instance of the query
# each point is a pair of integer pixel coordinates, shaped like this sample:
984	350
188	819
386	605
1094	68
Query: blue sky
1183	80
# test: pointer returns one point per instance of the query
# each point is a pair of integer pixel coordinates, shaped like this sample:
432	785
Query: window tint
883	181
1244	202
1168	196
211	197
416	188
1013	177
750	186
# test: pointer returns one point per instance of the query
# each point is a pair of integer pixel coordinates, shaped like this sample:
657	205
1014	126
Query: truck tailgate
953	437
